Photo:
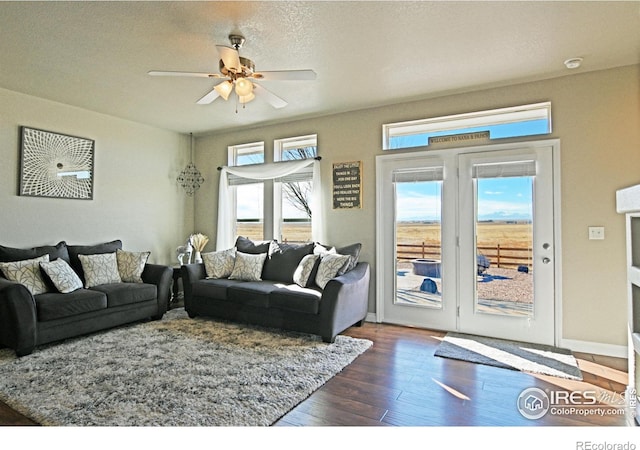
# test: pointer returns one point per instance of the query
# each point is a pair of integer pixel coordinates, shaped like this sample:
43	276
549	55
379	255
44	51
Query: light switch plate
596	233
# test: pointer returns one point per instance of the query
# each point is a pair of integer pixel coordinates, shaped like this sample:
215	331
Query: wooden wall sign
347	185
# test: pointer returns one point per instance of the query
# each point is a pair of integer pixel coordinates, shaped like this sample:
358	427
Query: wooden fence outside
500	256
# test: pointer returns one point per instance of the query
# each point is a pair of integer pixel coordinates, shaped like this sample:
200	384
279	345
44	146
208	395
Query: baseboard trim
371	317
597	348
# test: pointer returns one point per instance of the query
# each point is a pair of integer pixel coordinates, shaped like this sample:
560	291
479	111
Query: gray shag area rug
174	372
525	357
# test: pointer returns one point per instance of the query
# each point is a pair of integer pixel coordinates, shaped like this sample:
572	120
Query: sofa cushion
27	272
246	245
283	260
248	267
213	288
252	293
296	298
330	265
75	250
51	306
131	265
100	269
119	294
219	264
62	275
17	254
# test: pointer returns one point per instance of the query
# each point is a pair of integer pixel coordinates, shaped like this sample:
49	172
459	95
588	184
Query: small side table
177	295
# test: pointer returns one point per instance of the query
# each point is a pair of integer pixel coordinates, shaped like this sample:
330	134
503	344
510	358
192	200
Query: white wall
595	115
136	198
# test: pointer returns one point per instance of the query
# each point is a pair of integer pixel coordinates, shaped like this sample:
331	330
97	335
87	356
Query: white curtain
269	171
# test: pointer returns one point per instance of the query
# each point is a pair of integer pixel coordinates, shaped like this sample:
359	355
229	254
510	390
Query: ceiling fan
238	74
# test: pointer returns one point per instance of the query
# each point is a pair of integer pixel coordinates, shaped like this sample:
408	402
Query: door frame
382	243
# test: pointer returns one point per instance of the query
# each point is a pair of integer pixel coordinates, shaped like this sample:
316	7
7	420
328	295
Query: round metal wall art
55	165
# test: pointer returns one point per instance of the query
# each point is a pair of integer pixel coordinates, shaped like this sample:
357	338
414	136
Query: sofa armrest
190	274
162	277
18	317
345	301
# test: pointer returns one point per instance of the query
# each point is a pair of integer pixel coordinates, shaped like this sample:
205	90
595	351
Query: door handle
546	260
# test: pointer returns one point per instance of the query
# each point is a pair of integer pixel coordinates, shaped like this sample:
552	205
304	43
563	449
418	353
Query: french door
465	240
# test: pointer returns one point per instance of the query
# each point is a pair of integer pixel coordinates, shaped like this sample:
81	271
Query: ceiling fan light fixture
224	89
246	98
244	87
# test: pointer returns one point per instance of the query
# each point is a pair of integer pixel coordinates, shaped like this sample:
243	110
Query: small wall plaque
463	138
55	165
347	185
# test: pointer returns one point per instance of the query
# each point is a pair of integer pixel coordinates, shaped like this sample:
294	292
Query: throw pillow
353	251
75	250
100	269
8	254
302	274
62	275
131	265
248	267
219	264
320	249
26	272
246	245
329	266
283	260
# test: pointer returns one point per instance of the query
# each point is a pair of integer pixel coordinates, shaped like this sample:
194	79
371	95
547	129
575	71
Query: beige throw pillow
248	267
100	269
26	272
219	264
329	266
304	269
62	275
131	265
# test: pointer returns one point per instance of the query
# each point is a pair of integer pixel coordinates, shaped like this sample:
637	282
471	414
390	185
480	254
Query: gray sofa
27	320
275	299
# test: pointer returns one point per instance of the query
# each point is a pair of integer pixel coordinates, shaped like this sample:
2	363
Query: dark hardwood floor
398	382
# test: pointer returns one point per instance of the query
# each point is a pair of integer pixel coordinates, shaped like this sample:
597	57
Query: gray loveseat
28	320
292	287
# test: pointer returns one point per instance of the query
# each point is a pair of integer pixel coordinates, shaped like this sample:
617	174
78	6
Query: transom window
243	154
301	147
516	121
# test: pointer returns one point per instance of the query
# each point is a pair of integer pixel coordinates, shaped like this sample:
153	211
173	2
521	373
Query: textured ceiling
96	55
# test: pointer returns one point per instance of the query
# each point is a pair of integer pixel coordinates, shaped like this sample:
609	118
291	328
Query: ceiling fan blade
230	58
269	96
295	75
208	97
164	73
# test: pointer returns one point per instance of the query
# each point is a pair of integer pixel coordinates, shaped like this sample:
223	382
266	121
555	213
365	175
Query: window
240	155
302	147
252	210
248	197
292	195
525	120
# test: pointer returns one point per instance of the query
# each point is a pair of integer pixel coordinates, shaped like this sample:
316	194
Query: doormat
514	355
